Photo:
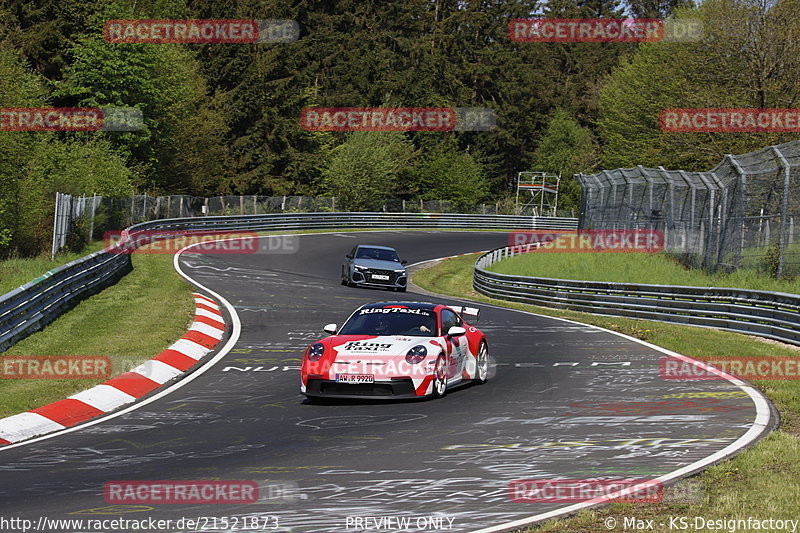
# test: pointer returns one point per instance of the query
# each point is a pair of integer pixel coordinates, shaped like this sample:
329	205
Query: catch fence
742	213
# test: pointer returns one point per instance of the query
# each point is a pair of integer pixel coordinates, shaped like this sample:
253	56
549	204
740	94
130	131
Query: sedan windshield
377	253
391	321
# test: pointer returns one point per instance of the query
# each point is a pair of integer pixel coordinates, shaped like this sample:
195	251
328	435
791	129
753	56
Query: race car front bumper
384	390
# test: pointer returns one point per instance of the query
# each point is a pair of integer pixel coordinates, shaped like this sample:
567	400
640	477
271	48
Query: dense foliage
224	118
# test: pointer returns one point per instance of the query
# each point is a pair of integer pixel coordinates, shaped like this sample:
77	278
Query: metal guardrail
773	315
32	306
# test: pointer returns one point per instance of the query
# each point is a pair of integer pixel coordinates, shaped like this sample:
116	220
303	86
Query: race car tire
482	364
440	377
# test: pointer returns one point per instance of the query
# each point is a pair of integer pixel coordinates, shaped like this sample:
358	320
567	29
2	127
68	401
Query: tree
451	175
364	170
656	9
181	148
34	165
566	149
749	57
19	87
70	167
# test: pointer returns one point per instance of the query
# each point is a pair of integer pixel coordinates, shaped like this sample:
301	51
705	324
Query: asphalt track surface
563	400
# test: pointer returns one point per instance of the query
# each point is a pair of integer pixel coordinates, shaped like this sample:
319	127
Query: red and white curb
203	335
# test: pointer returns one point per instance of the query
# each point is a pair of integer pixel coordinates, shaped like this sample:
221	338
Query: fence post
55	227
91	222
738	231
784	163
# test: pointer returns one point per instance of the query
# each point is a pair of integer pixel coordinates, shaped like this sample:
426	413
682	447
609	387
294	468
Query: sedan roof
378	246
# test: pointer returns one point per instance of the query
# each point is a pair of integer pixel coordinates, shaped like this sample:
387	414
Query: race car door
456	346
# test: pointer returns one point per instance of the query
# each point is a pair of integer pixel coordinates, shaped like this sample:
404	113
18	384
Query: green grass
130	322
762	482
634	268
16	272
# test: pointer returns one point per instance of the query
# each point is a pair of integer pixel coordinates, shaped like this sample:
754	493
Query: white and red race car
396	350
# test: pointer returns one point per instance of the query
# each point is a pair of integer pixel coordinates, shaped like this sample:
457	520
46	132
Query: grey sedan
370	265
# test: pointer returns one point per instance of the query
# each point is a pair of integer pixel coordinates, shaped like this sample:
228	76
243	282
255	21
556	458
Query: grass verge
762	482
634	268
16	272
129	322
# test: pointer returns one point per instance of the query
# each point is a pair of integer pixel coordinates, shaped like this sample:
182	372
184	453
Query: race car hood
377	350
383	357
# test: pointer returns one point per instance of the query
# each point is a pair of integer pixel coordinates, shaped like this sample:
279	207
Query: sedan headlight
360	268
416	354
315	351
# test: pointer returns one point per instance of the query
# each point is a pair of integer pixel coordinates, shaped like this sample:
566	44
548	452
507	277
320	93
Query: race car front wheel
482	364
440	378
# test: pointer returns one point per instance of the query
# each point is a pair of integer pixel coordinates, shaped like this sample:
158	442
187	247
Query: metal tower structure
543	190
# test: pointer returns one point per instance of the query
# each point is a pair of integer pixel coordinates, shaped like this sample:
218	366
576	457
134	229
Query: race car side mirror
349	256
403	262
456	331
330	328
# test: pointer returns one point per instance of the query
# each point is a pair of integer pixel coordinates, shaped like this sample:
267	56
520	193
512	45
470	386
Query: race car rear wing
468	313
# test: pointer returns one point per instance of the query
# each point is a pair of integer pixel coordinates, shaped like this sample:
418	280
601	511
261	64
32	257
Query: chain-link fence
740	214
89	217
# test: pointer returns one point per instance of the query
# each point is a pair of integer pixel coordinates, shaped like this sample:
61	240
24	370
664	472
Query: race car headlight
360	268
416	354
315	351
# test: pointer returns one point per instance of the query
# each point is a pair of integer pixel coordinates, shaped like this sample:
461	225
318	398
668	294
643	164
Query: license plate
378	276
355	378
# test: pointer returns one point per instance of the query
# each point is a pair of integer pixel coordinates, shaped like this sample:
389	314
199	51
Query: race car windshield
377	253
375	322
